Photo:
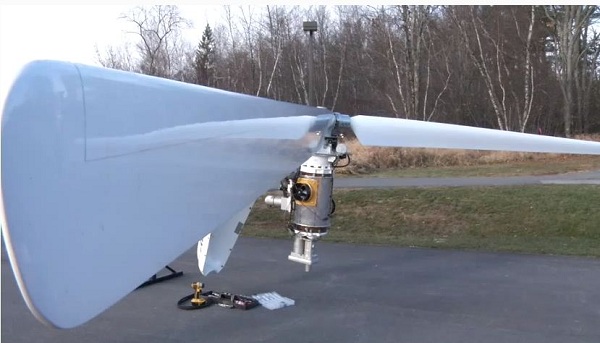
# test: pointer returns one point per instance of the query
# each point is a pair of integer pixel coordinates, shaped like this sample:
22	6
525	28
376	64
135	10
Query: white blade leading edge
393	132
108	176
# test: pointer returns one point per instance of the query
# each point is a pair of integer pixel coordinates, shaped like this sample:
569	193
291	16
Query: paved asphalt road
355	294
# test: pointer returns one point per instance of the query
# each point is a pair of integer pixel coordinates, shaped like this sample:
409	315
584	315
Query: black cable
345	165
181	304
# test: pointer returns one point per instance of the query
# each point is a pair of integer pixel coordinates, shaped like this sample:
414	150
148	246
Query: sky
71	33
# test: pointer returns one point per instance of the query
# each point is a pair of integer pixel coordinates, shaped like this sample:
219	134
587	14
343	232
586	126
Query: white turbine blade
392	132
107	176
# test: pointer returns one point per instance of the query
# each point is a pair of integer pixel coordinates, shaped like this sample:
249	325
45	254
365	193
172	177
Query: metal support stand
154	279
302	252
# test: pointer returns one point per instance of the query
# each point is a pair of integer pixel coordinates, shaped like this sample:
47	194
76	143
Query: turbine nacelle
308	194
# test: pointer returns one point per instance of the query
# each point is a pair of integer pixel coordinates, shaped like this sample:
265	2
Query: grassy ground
553	219
549	219
547	166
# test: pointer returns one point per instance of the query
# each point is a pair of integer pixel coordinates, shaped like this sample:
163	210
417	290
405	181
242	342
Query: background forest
523	68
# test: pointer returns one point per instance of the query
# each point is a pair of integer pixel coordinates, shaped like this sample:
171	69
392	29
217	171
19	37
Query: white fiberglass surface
393	132
112	175
213	250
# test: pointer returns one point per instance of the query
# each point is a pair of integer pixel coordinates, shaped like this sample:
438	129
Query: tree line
520	68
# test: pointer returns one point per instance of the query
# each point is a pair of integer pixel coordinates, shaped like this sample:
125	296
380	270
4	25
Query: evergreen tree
204	58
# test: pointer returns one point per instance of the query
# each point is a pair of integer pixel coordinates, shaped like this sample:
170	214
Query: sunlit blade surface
392	132
108	176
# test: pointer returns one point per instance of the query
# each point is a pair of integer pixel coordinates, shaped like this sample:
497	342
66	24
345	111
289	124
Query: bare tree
116	58
417	73
589	73
160	45
414	23
567	24
500	44
247	18
437	58
274	23
528	83
343	41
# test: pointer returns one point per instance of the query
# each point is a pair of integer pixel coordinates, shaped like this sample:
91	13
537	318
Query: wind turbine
102	169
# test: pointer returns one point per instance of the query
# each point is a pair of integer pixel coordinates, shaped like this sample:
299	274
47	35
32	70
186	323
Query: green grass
550	219
518	168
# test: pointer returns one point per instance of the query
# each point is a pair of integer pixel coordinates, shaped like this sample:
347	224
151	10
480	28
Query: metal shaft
311	75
